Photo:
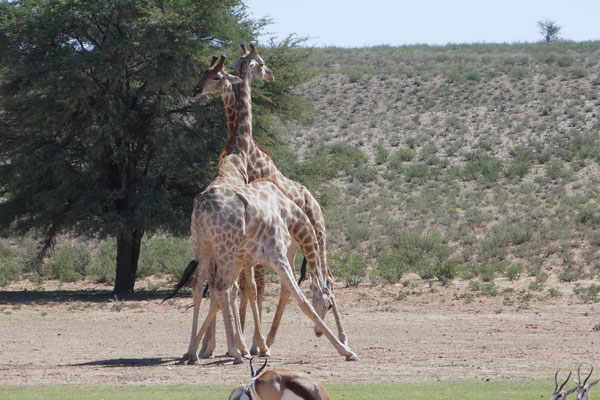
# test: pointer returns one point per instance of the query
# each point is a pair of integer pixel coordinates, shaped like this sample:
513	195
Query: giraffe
235	224
216	80
260	166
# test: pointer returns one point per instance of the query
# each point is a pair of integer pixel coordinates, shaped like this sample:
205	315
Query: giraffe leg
284	295
209	340
236	319
259	340
338	322
283	269
203	264
208	321
223	297
191	353
259	278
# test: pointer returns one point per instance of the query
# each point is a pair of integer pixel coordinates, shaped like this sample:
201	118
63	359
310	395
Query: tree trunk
128	253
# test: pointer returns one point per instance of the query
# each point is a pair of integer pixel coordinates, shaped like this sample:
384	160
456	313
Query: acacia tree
549	30
98	134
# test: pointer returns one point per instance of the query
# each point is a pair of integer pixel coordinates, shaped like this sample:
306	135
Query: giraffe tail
187	274
302	271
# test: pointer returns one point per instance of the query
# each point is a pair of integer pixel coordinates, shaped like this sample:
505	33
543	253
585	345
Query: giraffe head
214	79
321	299
251	64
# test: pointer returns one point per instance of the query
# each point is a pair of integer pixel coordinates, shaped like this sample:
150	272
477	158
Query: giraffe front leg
288	280
338	322
284	295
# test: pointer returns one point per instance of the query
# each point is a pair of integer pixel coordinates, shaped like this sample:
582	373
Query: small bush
351	268
102	268
513	272
390	267
68	263
588	294
9	271
381	155
164	256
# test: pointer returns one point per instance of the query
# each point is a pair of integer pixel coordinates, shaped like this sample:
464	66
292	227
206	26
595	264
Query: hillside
470	160
466	161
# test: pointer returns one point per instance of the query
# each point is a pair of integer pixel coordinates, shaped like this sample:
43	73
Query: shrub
9	271
164	256
445	271
102	268
351	268
381	155
513	271
390	267
69	263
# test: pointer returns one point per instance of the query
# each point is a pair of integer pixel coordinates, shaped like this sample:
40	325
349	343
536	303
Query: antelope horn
588	377
219	66
555	379
567	380
252	374
263	367
213	61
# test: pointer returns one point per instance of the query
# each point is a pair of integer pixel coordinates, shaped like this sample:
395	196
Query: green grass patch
339	391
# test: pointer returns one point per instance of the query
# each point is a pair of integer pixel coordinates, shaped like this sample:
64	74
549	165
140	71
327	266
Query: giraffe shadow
127	362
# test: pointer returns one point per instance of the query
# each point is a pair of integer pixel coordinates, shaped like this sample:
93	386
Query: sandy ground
70	336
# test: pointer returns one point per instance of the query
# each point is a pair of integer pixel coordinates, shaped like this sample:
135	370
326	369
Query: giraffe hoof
266	353
238	361
192	362
352	357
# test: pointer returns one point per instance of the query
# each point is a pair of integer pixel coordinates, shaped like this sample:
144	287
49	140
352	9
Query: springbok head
251	63
583	388
559	393
243	392
214	79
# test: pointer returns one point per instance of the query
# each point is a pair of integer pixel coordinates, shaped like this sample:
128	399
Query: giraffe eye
216	78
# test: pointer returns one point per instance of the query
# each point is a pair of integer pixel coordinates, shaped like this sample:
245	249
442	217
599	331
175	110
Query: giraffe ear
235	64
233	79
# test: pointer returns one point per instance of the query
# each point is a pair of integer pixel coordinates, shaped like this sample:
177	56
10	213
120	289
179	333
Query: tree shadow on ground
40	297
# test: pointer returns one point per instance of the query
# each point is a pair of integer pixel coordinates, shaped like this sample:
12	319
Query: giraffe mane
229	145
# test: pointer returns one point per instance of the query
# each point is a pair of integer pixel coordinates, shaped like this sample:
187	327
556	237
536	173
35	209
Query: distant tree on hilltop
549	30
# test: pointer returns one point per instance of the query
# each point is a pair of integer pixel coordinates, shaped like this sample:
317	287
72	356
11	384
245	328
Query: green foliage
390	268
423	253
381	155
102	267
588	294
68	263
94	104
465	390
513	271
351	268
161	256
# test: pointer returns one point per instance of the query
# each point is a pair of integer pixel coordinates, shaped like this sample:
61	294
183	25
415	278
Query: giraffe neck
230	103
243	141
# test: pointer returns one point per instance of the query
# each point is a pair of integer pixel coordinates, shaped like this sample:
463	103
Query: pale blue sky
374	22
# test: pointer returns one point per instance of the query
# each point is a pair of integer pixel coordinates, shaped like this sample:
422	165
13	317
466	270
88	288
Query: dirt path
432	336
